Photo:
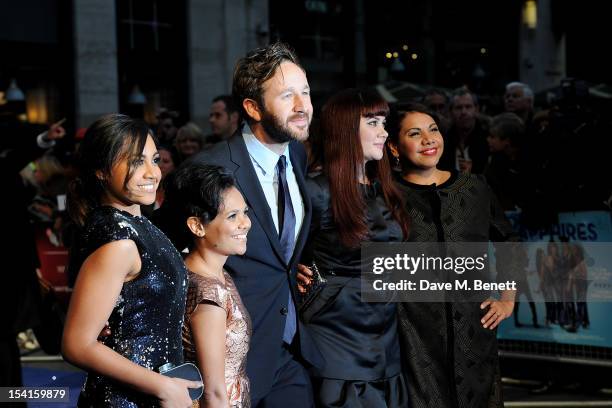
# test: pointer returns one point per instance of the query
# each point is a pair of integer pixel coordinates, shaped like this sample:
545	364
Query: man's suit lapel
299	176
253	193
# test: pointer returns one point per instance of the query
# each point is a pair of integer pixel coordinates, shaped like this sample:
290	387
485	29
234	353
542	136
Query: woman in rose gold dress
217	328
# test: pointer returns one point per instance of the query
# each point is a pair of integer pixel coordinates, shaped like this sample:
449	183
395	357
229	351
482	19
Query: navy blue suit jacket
261	275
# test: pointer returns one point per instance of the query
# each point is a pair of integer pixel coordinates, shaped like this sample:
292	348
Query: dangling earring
396	163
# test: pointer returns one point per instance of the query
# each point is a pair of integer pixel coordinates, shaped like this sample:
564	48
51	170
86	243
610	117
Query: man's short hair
527	91
256	68
435	91
463	91
508	126
228	100
164	113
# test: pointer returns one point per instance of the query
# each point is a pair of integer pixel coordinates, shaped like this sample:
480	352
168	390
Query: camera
572	93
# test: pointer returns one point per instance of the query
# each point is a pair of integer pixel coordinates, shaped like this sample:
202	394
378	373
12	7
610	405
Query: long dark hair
194	190
340	118
108	140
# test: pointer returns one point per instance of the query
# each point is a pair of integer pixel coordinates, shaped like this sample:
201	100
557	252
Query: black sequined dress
147	319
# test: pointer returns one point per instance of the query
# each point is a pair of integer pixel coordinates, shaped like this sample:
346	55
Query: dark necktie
286	232
286	215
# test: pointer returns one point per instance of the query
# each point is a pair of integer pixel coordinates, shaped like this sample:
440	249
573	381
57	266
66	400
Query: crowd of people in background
537	162
521	151
527	153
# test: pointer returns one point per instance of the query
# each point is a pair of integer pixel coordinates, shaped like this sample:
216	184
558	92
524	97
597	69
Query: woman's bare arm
96	291
208	325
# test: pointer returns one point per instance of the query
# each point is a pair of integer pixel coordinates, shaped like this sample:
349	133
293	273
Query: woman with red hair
354	201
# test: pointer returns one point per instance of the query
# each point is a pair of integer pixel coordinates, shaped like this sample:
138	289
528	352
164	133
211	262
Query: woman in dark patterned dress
449	349
129	274
217	329
354	201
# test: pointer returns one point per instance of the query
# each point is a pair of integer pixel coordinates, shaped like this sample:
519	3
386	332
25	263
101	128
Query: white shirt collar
264	157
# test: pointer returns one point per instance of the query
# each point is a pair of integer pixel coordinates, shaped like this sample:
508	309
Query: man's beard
278	131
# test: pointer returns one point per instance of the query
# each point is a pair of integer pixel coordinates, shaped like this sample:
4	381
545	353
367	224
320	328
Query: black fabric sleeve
317	192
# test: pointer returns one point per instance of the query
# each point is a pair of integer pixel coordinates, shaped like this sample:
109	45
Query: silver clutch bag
186	371
318	282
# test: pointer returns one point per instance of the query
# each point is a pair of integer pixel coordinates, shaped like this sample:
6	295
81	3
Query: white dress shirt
264	161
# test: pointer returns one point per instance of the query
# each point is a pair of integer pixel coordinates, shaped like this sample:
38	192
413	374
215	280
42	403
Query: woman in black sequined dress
449	349
354	201
129	274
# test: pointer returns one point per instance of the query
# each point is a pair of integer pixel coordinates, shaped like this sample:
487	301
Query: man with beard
465	144
269	163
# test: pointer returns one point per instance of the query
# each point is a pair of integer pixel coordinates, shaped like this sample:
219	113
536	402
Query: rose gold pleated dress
209	290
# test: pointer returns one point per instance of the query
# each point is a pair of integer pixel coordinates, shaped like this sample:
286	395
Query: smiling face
227	232
420	143
287	109
141	186
373	135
